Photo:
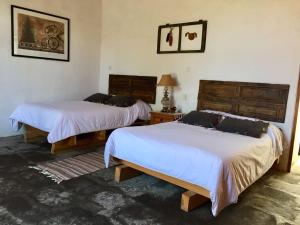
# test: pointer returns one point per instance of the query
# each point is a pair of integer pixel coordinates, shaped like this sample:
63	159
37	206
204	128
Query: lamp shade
167	81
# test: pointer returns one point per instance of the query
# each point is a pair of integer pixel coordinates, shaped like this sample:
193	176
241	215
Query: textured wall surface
31	80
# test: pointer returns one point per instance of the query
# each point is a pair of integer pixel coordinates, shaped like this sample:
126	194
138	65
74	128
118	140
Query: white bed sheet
223	163
66	119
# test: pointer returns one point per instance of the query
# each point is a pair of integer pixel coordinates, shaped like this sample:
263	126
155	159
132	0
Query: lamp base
165	101
165	109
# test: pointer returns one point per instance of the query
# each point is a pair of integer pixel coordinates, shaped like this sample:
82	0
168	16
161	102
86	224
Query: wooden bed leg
64	144
100	135
124	172
190	200
33	134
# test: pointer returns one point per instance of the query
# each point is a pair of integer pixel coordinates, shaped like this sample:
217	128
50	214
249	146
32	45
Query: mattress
223	163
65	119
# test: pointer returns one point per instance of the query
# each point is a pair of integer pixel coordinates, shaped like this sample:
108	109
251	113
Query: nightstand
162	117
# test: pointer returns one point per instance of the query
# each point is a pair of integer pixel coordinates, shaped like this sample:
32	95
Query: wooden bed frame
92	139
191	199
262	101
257	100
139	87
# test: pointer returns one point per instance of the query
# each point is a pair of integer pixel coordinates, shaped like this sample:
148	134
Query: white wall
24	79
254	41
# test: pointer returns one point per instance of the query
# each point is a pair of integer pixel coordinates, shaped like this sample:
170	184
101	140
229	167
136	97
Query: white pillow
229	115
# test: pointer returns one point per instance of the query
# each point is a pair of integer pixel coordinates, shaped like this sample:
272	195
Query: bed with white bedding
223	163
67	123
208	162
66	119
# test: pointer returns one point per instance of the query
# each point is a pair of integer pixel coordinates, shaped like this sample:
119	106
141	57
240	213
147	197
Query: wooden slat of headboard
258	100
139	87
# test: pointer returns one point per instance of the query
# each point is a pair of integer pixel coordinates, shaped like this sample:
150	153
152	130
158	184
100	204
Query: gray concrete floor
28	197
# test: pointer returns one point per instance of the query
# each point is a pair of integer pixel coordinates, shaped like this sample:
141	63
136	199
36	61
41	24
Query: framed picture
168	39
185	37
39	35
193	38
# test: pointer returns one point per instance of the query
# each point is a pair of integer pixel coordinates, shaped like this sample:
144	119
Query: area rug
72	167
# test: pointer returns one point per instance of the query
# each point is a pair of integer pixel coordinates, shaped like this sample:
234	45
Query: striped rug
69	168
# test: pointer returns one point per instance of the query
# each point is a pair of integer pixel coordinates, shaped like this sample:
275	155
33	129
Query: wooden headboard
257	100
139	87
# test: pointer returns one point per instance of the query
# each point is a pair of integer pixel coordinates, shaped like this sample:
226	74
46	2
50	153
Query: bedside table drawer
159	117
161	120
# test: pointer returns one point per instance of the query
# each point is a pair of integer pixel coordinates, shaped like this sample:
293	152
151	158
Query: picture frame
190	38
40	35
166	45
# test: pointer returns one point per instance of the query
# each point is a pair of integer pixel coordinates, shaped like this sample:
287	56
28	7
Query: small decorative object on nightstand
166	80
162	117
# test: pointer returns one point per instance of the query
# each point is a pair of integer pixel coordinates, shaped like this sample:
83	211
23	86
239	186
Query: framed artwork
182	37
39	35
193	38
169	39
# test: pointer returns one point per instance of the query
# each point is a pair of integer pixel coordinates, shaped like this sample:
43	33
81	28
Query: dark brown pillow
121	101
204	119
98	98
243	127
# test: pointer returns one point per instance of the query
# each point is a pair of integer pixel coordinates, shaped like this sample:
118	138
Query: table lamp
166	81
